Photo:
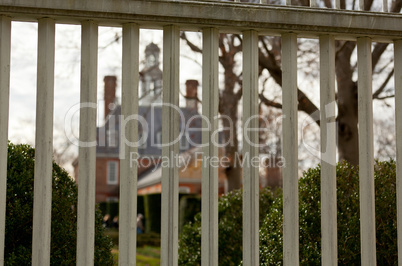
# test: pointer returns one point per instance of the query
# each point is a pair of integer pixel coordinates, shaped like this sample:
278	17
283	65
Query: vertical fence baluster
313	3
42	205
129	136
5	46
398	125
328	151
384	5
366	152
87	149
290	153
250	149
337	4
170	149
210	96
361	5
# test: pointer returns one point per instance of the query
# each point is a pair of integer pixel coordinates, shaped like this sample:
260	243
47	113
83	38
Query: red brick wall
103	190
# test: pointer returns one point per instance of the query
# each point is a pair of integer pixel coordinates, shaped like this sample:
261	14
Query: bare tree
270	59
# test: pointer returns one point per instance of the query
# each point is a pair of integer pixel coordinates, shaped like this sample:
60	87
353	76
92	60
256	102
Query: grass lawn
146	254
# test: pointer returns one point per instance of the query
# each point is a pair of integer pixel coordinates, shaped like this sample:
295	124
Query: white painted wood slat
385	5
250	149
128	147
366	152
210	96
361	5
87	149
170	149
5	46
42	205
290	153
398	129
313	3
337	4
328	151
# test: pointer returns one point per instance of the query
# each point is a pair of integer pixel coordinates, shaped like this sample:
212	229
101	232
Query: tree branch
269	62
385	97
269	102
192	46
381	47
382	87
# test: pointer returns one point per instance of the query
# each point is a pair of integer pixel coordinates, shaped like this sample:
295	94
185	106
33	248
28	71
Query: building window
111	135
112	171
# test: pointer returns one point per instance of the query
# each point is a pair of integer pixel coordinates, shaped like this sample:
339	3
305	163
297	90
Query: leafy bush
189	206
348	218
19	213
271	234
230	230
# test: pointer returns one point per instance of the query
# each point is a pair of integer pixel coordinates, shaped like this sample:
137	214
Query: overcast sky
67	76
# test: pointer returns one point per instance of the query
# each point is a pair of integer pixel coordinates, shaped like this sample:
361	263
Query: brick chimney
191	93
110	92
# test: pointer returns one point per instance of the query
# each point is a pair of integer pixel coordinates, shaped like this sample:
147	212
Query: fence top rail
227	16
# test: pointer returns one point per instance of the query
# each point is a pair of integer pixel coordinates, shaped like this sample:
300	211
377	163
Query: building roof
108	136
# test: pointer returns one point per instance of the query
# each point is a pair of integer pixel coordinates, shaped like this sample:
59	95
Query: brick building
149	151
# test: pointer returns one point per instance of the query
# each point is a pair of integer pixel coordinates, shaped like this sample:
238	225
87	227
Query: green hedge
271	237
230	230
189	206
348	218
19	212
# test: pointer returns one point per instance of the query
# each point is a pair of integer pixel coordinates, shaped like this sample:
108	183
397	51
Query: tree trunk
348	137
228	108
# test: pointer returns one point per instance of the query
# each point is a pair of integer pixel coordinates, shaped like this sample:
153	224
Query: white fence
210	17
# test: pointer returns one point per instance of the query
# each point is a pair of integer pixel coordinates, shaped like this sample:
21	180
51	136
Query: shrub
348	218
230	230
189	206
271	234
19	212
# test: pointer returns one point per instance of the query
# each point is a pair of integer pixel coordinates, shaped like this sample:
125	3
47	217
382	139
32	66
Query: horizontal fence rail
211	17
232	17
